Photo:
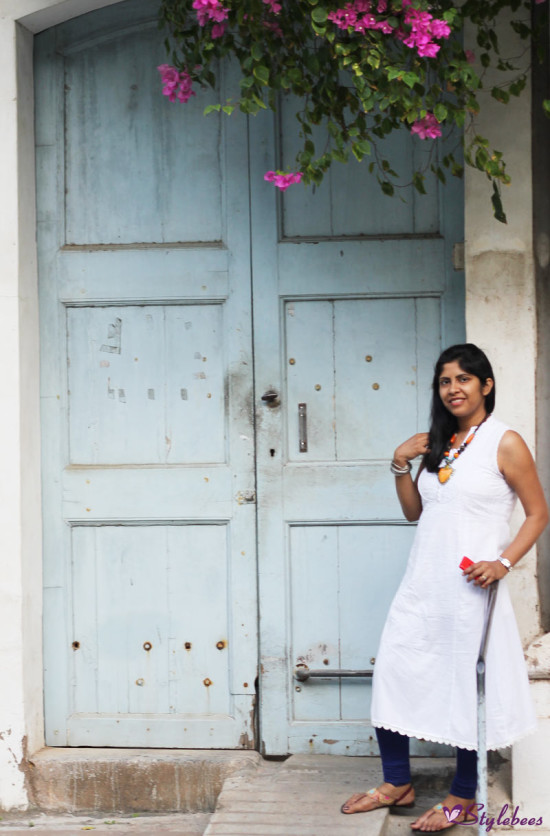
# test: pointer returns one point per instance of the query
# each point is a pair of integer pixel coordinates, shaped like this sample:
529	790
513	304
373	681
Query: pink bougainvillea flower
273	5
427	128
210	10
176	85
420	32
428	50
283	181
424	28
217	30
471	56
273	27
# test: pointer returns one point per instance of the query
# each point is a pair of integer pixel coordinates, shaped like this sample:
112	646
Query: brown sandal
453	817
406	799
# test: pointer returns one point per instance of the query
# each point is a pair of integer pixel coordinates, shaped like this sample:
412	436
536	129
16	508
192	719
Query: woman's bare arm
407	489
518	468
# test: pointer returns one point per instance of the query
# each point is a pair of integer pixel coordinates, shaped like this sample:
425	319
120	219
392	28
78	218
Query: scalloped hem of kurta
459	743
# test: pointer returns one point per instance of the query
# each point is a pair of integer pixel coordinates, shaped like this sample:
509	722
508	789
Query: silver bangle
505	562
397	470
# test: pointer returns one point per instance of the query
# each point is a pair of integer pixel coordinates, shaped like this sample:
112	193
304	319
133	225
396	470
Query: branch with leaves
358	71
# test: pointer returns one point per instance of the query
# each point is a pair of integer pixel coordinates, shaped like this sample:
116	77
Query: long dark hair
473	360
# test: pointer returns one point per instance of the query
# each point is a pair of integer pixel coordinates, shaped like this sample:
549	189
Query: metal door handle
302	673
302	426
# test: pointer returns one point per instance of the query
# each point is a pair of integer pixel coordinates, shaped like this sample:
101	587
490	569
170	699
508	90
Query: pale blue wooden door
355	293
149	517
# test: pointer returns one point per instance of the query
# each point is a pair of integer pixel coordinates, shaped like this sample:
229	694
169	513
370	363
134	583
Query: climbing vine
359	71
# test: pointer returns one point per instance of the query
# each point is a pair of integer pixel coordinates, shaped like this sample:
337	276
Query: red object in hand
465	562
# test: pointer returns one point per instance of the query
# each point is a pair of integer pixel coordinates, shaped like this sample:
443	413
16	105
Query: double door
225	374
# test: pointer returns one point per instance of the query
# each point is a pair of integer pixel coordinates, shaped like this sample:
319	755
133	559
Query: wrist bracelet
397	470
505	562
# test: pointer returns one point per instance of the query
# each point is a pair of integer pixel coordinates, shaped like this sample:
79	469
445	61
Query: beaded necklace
446	471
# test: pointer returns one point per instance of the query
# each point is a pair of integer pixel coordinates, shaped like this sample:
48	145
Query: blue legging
394	750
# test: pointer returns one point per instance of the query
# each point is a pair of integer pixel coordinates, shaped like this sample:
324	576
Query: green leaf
546	106
387	188
257	52
518	86
319	14
394	72
211	108
261	73
498	209
411	79
500	95
440	112
440	174
418	182
360	149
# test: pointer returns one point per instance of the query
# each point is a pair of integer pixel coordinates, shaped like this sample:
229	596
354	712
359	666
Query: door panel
167	186
149	565
365	295
340	355
170	373
331	571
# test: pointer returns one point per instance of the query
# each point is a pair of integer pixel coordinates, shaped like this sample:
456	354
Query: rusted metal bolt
326	661
368	358
207	682
140	682
220	645
147	645
76	645
376	386
187	645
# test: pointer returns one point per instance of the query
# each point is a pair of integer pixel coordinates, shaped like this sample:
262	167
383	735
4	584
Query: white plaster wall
500	292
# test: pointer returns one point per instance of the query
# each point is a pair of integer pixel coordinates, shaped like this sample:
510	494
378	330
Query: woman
472	470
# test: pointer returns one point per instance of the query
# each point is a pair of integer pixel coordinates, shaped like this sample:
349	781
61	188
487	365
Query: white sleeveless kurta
424	682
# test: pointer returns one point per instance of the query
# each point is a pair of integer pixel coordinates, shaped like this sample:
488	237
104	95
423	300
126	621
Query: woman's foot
386	795
437	818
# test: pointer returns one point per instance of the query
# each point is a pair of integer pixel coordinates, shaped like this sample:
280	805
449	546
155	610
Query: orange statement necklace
446	471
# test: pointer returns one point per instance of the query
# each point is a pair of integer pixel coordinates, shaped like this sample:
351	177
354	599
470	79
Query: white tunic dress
424	683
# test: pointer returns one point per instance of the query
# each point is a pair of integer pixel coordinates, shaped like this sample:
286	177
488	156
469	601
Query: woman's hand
415	446
407	490
485	572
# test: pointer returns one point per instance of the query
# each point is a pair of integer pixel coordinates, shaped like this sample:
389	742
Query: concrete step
302	797
115	781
